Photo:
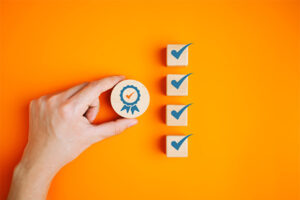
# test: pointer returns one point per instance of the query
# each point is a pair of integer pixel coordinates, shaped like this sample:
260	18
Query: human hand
60	128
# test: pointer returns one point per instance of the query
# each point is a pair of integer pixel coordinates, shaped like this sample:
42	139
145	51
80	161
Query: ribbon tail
134	108
125	108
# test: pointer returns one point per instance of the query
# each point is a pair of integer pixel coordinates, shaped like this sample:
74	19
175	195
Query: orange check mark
128	96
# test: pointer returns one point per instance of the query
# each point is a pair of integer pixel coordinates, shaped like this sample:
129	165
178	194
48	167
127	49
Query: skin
60	128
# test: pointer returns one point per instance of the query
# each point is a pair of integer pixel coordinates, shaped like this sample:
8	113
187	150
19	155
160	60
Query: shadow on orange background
244	89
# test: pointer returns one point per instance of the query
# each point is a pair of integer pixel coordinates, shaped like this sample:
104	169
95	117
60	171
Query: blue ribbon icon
130	106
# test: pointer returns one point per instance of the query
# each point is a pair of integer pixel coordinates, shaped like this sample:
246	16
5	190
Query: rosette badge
130	98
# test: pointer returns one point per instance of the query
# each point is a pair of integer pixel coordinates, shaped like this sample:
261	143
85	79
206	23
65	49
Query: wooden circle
130	98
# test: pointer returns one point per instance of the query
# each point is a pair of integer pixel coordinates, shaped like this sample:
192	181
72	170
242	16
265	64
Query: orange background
245	89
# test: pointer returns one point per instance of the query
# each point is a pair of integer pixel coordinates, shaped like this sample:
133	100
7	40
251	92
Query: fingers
70	92
83	98
92	112
112	128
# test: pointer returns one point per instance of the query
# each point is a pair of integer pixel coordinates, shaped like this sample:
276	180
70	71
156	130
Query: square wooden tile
177	146
177	84
177	55
177	115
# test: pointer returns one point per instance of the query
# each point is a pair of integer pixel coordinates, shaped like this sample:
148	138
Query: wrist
30	181
35	169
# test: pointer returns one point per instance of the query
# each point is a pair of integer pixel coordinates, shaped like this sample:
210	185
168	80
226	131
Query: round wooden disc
130	98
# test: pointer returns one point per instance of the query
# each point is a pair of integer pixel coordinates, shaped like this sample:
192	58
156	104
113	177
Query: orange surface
245	89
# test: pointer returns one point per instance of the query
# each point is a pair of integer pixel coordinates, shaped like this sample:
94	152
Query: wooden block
177	145
177	54
130	98
177	115
177	84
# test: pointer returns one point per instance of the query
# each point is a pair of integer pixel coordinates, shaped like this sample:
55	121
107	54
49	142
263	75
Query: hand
59	130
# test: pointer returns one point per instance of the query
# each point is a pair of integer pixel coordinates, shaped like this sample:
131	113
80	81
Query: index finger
92	90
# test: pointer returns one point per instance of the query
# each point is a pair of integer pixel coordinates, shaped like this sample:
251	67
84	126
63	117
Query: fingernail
133	122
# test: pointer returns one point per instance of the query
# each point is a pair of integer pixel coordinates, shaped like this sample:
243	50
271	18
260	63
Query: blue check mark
177	84
177	145
177	54
176	114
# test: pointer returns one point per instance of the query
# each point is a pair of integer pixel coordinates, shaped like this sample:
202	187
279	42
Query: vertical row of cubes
177	85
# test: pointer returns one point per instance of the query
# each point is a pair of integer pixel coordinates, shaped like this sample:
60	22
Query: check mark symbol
177	54
177	145
176	114
177	84
128	96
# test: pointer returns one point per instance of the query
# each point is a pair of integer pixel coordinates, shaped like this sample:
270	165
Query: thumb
112	128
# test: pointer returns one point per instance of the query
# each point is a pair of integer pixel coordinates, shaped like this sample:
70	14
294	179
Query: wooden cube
177	145
177	54
176	115
177	84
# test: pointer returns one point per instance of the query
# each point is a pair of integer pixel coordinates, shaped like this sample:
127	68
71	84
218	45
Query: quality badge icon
130	98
